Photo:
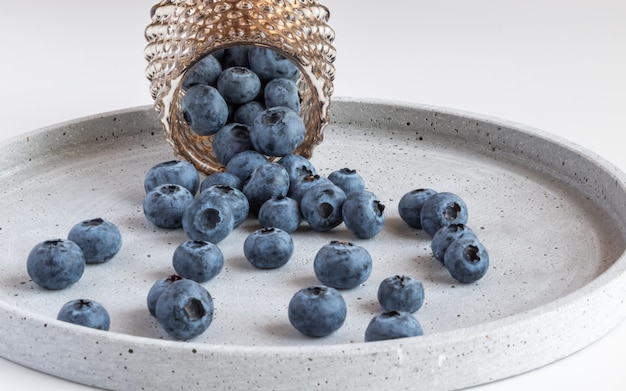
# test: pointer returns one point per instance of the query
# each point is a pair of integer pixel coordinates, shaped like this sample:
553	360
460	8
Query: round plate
550	213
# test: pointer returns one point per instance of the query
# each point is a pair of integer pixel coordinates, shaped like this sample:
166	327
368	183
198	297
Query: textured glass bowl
181	33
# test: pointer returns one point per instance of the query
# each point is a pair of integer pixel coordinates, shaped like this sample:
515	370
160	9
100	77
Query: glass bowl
181	33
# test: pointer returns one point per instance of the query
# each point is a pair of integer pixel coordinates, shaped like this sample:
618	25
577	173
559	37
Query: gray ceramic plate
550	213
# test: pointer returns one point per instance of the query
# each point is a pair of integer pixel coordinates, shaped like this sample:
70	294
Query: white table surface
557	65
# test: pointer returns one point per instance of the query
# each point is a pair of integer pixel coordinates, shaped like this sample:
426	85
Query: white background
555	65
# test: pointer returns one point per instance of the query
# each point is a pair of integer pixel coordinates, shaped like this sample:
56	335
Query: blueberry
269	64
238	85
184	309
348	179
179	172
235	56
342	265
231	112
466	259
277	131
282	92
165	205
446	235
204	109
198	260
231	139
219	55
246	113
442	209
156	289
268	248
300	185
363	214
210	220
321	206
221	178
410	206
242	164
280	212
55	264
99	239
235	198
401	293
205	71
317	311
392	325
297	166
85	312
266	181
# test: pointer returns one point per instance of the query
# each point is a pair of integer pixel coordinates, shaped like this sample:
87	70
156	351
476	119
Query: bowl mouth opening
198	149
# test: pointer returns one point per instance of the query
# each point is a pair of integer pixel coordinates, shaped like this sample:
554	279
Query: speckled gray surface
551	214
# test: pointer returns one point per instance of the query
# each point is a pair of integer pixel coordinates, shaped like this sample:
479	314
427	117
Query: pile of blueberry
246	99
282	196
